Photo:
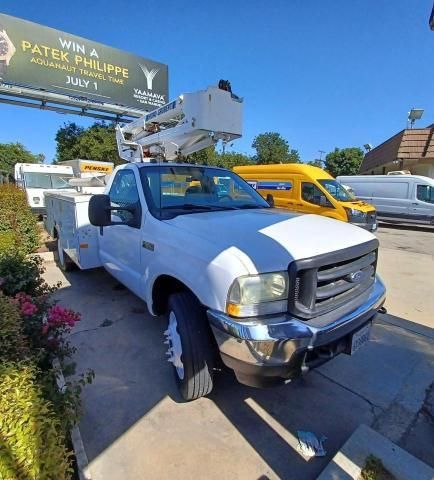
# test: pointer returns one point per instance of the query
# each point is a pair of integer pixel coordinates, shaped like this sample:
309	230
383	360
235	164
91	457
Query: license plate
359	338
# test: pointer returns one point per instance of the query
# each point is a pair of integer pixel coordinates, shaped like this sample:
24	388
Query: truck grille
324	283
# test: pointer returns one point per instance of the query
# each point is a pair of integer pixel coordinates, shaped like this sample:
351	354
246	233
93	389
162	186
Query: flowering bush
25	302
62	317
55	325
33	332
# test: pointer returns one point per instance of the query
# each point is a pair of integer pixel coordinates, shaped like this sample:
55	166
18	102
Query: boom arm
186	125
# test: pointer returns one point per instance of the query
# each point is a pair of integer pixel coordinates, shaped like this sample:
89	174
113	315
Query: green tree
316	163
294	156
207	156
271	147
12	153
98	142
230	160
210	156
345	161
67	138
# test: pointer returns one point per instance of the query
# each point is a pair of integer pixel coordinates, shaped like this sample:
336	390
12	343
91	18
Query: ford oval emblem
355	277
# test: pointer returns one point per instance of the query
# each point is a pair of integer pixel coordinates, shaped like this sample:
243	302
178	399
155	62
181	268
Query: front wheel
190	347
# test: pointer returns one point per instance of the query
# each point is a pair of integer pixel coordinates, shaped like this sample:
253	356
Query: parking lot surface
407	266
135	425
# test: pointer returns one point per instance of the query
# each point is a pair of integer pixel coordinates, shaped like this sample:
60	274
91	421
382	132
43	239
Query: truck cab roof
171	164
285	168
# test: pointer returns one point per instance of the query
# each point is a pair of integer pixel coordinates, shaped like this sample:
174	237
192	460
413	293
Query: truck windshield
176	190
337	191
46	180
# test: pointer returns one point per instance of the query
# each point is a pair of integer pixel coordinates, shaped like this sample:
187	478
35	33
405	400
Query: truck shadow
133	408
399	226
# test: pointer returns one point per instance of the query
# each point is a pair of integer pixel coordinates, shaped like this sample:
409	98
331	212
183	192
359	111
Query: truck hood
359	205
268	240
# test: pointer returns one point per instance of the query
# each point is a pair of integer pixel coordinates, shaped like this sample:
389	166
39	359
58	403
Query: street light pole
413	115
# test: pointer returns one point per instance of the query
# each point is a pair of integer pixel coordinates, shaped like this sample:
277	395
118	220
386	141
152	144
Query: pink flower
59	316
25	302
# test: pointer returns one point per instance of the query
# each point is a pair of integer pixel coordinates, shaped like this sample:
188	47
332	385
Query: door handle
415	203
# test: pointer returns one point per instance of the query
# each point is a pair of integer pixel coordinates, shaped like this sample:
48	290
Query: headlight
262	294
355	216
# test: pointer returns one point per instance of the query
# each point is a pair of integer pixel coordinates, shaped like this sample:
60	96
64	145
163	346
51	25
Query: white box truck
270	294
90	169
38	178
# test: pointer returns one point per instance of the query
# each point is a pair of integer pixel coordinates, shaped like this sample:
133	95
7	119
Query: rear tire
63	261
189	331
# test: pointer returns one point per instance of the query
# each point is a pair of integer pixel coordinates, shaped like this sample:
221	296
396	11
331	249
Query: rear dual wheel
190	347
63	261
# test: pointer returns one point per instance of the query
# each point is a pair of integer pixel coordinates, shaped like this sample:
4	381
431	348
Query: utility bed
67	220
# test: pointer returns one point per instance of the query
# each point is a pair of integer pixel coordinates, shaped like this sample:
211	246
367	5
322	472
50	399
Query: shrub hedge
22	274
18	225
13	344
32	446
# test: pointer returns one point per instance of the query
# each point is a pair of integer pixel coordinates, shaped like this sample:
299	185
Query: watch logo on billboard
149	74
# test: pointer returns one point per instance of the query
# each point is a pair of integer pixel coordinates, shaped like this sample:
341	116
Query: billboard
431	18
46	59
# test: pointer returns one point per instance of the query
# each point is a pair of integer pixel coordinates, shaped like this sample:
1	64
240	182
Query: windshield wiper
249	205
187	206
192	206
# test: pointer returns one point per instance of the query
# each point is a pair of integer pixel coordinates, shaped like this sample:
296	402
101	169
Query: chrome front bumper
371	227
268	350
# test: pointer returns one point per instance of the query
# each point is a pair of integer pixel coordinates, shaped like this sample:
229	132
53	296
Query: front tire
191	350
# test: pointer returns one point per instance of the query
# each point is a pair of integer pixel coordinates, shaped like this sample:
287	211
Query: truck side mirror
270	200
100	211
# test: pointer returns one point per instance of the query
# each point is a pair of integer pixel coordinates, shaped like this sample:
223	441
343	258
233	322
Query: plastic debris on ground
309	445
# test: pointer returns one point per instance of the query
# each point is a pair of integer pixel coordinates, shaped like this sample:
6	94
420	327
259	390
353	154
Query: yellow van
308	189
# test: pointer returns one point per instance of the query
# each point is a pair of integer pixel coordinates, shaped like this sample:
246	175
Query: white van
37	178
397	198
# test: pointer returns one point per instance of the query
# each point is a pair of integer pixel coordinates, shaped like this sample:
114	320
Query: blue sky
323	73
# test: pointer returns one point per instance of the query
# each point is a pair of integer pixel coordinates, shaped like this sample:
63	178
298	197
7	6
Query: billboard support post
26	97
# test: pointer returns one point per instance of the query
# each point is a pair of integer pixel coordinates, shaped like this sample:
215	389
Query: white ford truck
268	293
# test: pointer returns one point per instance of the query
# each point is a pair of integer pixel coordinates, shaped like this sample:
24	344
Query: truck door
422	205
314	200
120	245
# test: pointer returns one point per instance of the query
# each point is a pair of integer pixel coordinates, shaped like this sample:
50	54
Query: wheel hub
173	340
